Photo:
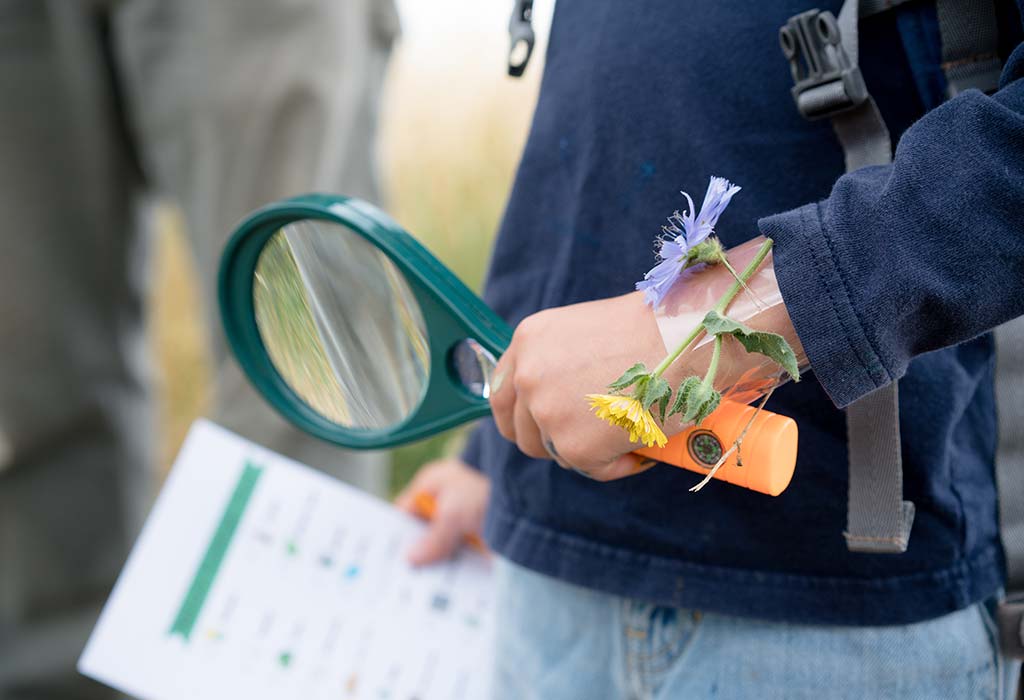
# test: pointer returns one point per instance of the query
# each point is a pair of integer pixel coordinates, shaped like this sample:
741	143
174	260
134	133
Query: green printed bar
192	605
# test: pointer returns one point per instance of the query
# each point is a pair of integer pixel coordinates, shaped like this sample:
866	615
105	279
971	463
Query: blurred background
452	126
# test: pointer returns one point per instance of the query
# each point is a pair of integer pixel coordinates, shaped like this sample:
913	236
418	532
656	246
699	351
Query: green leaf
685	389
663	404
702	400
655	390
771	345
716	324
708	407
629	377
640	388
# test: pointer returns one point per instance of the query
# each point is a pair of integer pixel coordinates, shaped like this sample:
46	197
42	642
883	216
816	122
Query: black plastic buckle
826	81
520	31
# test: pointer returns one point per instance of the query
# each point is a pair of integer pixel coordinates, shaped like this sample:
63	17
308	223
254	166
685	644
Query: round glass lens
341	325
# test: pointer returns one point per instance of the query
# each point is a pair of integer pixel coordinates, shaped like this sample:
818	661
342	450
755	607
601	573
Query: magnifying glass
358	335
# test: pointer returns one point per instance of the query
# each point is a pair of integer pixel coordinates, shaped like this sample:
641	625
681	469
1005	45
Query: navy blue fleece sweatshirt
888	272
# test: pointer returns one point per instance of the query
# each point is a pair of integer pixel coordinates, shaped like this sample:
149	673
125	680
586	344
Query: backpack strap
878	520
1009	386
970	45
822	53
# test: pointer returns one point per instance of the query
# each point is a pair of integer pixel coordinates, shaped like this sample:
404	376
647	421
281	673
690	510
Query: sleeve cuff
814	290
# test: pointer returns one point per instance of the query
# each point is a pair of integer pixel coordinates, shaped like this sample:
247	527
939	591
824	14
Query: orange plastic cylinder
768	451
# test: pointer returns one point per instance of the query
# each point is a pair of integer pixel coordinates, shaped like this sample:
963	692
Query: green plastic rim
452	313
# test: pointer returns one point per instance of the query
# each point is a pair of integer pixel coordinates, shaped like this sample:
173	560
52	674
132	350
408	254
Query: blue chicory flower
682	234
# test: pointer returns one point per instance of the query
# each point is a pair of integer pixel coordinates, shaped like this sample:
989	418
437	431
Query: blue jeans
557	641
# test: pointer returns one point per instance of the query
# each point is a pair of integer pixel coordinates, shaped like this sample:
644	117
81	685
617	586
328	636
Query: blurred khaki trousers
221	104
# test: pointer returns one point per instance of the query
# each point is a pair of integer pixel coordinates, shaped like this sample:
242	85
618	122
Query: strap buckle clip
520	31
827	81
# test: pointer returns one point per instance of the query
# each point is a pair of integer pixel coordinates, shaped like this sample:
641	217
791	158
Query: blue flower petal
656	283
716	199
659	280
685	231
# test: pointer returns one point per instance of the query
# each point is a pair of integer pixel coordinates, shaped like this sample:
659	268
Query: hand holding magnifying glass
358	335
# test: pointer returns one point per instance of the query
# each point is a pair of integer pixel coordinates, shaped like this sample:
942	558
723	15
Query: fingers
503	397
552	450
528	436
453	497
441	540
426	480
512	414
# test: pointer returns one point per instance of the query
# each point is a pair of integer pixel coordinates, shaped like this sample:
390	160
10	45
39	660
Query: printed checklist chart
256	577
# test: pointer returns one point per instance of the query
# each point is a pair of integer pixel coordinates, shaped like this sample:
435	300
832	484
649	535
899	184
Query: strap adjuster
826	80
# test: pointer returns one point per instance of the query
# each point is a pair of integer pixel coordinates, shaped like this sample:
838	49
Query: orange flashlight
767	452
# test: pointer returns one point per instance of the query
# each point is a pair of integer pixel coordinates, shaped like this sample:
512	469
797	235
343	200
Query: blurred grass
178	336
451	133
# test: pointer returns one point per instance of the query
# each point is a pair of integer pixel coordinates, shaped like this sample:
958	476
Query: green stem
716	354
745	276
734	274
723	303
660	369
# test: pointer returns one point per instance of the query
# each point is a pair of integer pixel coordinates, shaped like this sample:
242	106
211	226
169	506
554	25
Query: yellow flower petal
629	414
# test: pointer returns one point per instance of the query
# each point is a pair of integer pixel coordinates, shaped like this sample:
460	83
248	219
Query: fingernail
581	473
497	381
647	463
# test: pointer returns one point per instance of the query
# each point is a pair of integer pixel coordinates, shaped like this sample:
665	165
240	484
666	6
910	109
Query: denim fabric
890	277
557	641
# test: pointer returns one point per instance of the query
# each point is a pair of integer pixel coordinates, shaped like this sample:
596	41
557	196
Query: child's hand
559	355
460	493
556	358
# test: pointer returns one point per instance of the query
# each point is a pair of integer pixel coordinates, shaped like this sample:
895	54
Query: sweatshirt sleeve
914	256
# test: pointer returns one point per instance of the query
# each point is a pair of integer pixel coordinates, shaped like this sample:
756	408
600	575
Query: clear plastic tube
741	377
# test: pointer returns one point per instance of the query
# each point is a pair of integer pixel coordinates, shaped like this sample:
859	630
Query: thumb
439	542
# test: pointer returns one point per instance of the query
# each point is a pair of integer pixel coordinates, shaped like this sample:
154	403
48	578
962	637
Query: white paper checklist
256	577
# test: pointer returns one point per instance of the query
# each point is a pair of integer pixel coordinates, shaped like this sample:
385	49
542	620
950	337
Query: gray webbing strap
970	43
858	133
878	520
1009	386
1010	619
861	130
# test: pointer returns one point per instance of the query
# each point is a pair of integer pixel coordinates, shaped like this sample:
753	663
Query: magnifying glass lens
341	325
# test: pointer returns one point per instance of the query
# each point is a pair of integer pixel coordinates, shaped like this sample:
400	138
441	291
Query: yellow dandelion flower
629	414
